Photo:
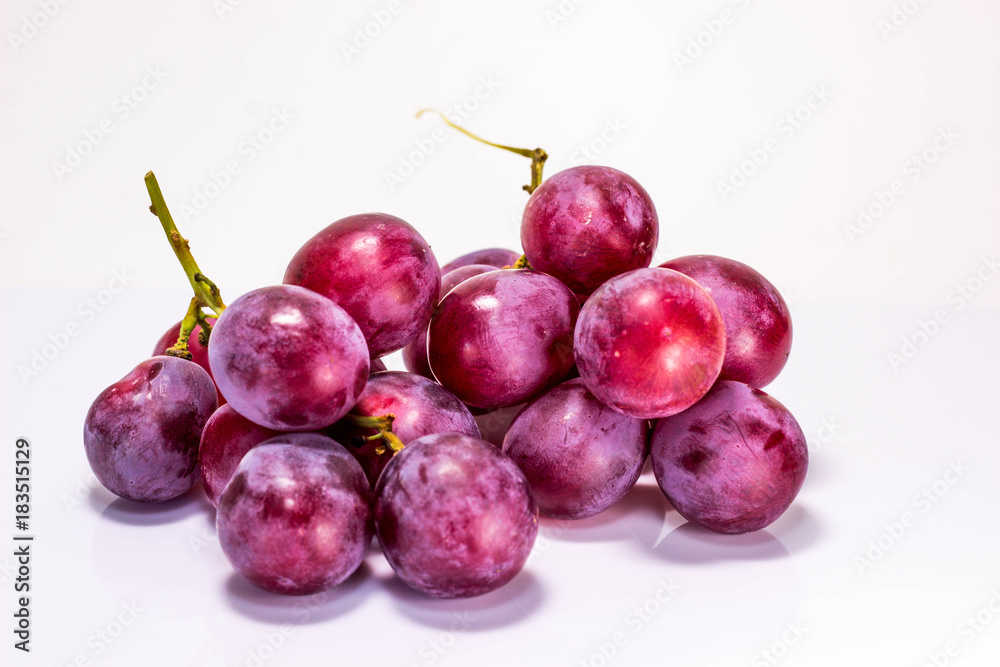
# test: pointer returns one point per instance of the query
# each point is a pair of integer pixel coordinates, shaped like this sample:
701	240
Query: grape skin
649	343
454	516
141	434
199	353
226	439
587	224
379	269
415	352
502	338
296	517
288	359
579	455
734	462
496	257
420	406
758	323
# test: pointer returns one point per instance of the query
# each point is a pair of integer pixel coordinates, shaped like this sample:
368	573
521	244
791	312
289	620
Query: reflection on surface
507	606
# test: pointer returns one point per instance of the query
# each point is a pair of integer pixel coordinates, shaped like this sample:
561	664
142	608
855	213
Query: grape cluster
308	447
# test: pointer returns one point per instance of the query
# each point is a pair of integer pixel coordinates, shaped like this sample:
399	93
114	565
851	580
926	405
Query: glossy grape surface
377	268
226	439
421	407
288	359
454	516
415	352
650	343
579	455
734	462
587	224
758	323
296	517
503	337
497	257
141	434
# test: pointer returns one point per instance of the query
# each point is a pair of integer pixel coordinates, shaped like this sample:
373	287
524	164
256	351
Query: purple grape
415	352
502	338
377	268
650	343
226	439
734	462
758	324
199	353
376	366
496	257
455	517
296	517
587	224
420	406
579	455
141	433
288	358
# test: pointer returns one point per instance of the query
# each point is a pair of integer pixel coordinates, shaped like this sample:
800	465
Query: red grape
758	324
296	517
420	406
415	352
734	462
377	268
141	434
587	224
579	455
454	516
498	257
650	343
199	353
288	358
503	337
226	439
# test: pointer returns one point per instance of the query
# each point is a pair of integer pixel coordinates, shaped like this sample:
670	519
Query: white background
596	74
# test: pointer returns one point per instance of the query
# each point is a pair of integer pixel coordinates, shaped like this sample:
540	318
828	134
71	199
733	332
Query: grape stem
381	424
537	155
206	292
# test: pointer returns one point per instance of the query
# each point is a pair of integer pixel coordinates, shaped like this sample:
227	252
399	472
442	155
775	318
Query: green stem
190	321
537	155
381	424
204	289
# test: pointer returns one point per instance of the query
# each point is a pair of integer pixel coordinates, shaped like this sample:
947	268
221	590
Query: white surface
556	84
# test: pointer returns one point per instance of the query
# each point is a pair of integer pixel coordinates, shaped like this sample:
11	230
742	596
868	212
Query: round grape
734	462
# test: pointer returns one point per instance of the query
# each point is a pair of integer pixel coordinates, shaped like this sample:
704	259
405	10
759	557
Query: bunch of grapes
308	447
